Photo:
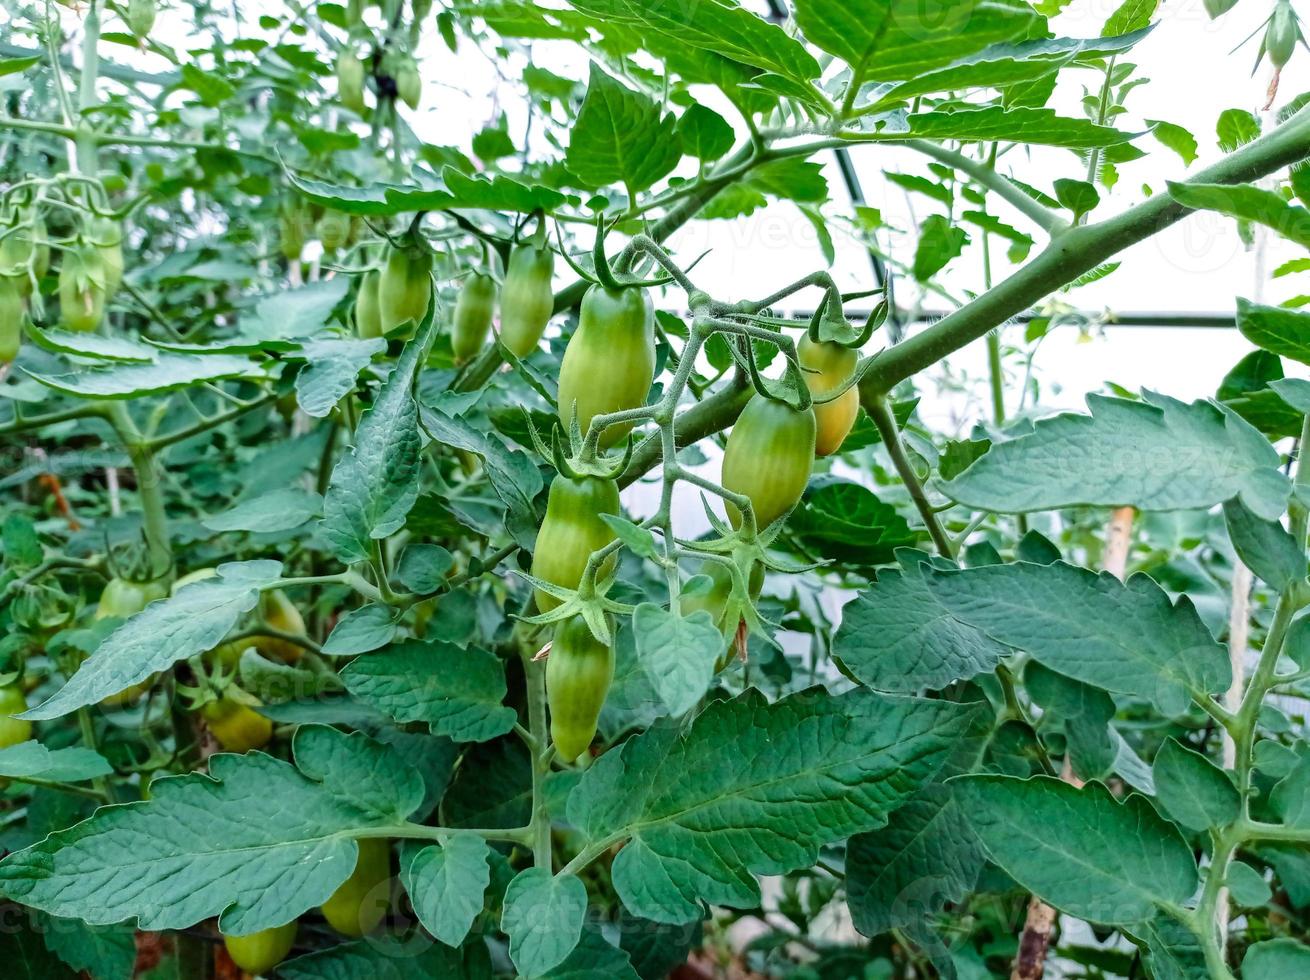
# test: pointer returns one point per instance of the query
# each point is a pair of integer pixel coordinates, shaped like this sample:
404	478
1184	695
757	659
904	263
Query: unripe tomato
12	310
405	287
715	600
279	613
237	726
1282	33
473	312
350	82
82	289
360	903
107	236
18	254
829	366
123	598
409	84
259	952
333	229
572	530
609	363
140	17
291	233
13	730
526	300
768	458
40	248
579	672
368	318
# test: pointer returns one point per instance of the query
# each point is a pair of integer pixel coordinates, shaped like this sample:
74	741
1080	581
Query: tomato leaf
543	917
445	882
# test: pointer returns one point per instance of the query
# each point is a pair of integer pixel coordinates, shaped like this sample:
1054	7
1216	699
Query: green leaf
32	760
103	952
621	136
677	653
194	620
543	917
1235	128
212	89
27	957
895	636
457	692
890	40
1160	454
988	123
1111	862
92	345
1247	203
939	242
446	882
718	26
1078	196
845	522
1247	886
423	567
362	630
277	510
1125	637
497	193
168	372
595	959
287	314
1131	15
1194	791
699	823
1290	798
1175	138
389	959
334	365
705	134
286	841
1275	329
1276	959
1265	547
373	487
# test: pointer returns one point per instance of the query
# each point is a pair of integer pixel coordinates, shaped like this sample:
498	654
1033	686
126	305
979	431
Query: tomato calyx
581	458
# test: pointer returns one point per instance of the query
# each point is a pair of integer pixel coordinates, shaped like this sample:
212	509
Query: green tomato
768	458
350	82
1282	33
827	367
333	229
140	17
82	279
13	308
122	598
237	726
405	288
18	256
714	600
107	236
13	730
526	301
473	312
609	363
368	317
360	902
258	952
409	85
579	671
571	531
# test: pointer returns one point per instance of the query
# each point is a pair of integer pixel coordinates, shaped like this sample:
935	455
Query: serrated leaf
705	134
699	824
103	952
362	630
390	959
1275	329
423	567
620	136
446	882
1112	862
32	760
497	193
844	521
277	510
1175	138
595	959
168	372
1247	203
334	364
1265	547
1160	454
543	917
939	241
457	692
374	486
194	620
677	653
895	636
988	123
1125	637
1192	789
286	840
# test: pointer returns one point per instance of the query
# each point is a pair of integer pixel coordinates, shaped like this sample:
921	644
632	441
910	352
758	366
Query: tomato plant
483	496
